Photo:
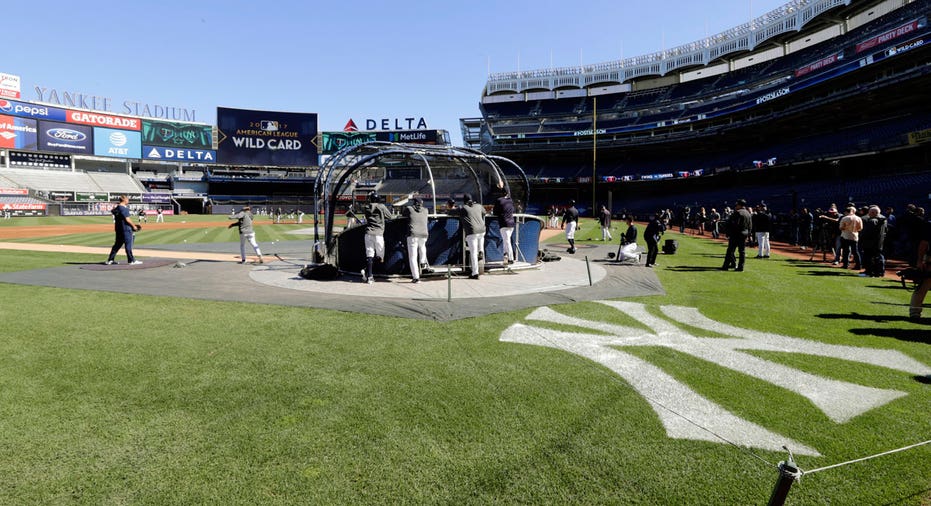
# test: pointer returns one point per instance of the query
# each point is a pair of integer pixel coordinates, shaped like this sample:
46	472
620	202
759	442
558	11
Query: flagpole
594	150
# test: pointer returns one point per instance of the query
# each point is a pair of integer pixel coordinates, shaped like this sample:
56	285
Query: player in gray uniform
417	232
472	220
246	233
376	215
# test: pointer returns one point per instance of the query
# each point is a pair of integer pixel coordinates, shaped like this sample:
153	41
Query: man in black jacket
872	238
628	248
570	222
738	228
652	235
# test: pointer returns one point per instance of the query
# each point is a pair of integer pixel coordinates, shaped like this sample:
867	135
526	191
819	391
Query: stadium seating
646	108
61	180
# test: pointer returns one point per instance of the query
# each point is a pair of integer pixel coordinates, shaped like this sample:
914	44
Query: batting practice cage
435	174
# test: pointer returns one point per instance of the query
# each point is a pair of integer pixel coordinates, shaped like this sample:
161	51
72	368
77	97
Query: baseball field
683	398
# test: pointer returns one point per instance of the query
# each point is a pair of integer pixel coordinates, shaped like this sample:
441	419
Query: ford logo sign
66	134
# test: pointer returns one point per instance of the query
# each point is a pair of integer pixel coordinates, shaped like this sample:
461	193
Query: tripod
824	242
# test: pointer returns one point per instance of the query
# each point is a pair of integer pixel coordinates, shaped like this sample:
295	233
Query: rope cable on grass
832	466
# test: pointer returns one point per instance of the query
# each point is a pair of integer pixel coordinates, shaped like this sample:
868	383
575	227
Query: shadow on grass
911	334
692	268
921	494
804	262
825	273
863	317
891	286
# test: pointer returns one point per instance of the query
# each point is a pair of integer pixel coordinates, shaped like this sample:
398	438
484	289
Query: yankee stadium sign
98	103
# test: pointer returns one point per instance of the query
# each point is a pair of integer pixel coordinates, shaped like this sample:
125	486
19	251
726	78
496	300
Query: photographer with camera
828	233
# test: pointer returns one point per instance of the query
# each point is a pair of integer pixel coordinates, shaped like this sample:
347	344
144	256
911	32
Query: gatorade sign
103	120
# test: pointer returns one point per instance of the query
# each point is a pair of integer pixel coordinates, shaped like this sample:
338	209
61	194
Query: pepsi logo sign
6	106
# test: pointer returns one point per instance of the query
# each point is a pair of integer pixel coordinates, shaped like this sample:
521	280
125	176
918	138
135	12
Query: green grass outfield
151	233
123	399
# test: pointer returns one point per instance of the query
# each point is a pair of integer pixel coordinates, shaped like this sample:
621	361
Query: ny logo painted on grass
682	411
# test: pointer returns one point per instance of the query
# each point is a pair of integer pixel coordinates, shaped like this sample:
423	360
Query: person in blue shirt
124	227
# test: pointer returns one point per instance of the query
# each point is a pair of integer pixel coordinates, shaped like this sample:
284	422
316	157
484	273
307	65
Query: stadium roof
790	18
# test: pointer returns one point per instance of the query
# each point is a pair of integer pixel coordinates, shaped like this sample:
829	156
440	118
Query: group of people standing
627	250
858	234
471	216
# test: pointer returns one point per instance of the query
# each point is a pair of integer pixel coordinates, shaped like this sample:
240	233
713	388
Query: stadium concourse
210	271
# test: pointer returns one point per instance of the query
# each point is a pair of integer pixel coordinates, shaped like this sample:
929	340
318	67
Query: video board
335	141
285	139
177	135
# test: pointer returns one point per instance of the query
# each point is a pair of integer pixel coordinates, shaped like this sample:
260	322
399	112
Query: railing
790	17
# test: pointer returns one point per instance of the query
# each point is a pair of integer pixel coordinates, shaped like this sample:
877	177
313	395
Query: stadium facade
814	102
59	159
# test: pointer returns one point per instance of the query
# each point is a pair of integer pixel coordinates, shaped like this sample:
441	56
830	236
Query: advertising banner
901	31
335	141
91	197
14	191
177	135
409	136
18	158
61	196
118	143
156	198
190	155
406	173
18	133
9	85
818	65
283	139
102	120
919	137
27	110
24	207
65	138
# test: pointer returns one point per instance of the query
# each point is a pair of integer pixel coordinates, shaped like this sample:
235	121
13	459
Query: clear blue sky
354	59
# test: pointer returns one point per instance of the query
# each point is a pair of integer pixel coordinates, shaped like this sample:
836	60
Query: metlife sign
179	154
